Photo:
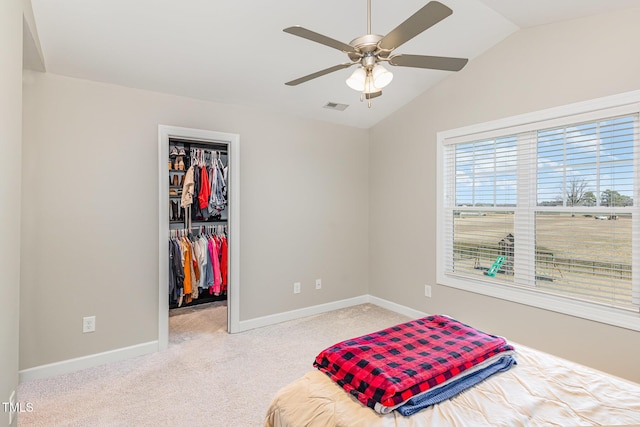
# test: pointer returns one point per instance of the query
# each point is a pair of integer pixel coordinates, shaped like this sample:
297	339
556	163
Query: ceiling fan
370	50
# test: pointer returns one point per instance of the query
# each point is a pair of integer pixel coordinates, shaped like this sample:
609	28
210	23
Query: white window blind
548	207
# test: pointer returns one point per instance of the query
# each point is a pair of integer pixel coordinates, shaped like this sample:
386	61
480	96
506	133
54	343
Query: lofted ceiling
235	52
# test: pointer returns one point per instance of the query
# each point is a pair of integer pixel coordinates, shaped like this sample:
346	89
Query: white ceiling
235	52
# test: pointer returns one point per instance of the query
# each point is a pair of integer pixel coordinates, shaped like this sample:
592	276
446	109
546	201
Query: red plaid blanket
392	365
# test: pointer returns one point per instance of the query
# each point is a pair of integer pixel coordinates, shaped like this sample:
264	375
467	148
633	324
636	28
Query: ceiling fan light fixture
381	76
370	90
357	80
369	50
369	85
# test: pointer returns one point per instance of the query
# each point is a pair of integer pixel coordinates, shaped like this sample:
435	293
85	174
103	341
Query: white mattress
542	390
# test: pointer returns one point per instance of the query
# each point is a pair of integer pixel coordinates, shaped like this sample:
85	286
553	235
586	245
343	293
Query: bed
538	390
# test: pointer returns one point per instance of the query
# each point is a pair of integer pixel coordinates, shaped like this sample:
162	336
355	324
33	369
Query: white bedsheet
542	390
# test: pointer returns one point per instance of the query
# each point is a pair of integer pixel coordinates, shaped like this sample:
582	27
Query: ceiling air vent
335	106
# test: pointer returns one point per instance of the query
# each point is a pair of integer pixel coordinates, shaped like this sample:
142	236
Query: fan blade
432	62
320	73
432	13
319	38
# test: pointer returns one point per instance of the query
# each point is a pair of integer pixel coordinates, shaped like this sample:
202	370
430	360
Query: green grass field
575	254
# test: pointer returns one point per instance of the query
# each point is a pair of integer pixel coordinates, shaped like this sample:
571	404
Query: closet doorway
191	145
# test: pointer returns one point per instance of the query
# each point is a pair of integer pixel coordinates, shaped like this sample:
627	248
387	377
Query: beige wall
90	203
10	143
317	200
533	69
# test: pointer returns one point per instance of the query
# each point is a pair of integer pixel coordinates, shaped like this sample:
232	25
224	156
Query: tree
575	191
589	199
614	198
626	200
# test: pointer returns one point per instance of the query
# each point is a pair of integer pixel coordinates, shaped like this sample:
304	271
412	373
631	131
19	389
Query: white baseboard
78	363
72	365
402	309
272	319
260	322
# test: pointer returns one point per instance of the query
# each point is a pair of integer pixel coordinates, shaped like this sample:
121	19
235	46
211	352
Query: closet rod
192	142
211	224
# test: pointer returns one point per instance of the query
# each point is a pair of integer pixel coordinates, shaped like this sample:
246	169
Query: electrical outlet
427	291
318	283
88	324
296	288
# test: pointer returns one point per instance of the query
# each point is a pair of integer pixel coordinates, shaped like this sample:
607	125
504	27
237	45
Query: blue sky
600	153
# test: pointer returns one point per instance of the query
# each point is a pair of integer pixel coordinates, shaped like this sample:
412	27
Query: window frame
615	105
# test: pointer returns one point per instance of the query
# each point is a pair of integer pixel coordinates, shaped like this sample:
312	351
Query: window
543	209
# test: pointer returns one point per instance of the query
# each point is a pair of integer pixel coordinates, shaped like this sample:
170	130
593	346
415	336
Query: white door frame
233	184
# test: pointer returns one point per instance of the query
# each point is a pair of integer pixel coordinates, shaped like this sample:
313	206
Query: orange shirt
187	268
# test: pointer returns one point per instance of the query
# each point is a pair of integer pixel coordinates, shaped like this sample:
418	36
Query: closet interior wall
198	222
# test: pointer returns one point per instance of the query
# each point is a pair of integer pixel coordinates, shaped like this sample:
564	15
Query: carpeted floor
205	378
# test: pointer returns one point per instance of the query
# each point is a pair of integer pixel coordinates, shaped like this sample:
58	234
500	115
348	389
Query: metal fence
484	254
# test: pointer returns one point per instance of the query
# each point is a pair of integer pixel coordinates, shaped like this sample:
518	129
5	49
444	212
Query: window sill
628	319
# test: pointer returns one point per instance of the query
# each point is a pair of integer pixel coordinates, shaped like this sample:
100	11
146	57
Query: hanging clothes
186	265
187	189
206	181
203	261
224	262
197	265
195	211
176	272
205	191
225	171
195	271
217	200
217	279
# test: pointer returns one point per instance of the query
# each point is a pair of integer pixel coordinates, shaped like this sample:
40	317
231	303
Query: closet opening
199	195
